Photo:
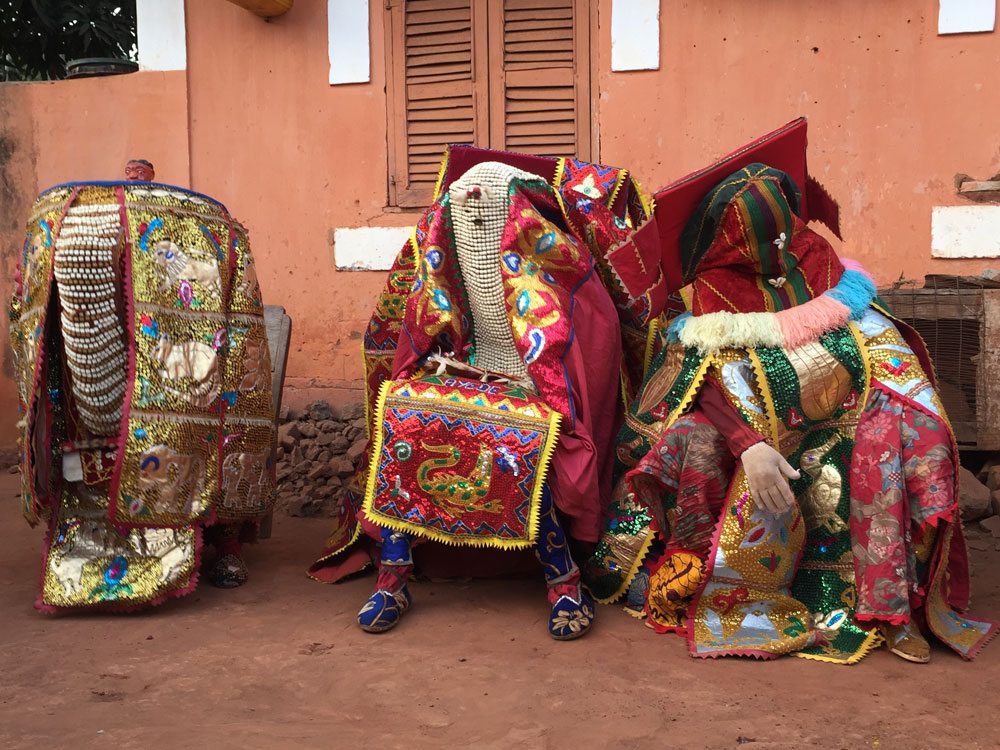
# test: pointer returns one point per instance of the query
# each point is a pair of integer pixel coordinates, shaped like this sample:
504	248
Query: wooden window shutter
432	88
540	71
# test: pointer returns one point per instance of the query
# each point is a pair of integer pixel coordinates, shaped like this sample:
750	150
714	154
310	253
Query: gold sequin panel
246	369
170	469
247	473
89	562
180	253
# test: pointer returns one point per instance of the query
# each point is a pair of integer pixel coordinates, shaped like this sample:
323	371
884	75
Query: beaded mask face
480	202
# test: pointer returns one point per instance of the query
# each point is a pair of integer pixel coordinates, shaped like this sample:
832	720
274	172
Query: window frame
488	121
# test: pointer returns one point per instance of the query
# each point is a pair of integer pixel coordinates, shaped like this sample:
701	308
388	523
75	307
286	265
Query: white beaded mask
479	205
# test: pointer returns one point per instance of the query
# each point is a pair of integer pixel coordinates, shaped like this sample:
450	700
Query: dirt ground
280	663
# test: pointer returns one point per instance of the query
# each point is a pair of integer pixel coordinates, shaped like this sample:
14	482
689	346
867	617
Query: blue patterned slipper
571	618
383	610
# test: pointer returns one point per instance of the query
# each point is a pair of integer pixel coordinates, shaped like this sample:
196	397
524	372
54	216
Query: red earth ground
280	663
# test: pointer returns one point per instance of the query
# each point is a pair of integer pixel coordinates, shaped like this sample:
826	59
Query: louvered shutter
433	91
540	95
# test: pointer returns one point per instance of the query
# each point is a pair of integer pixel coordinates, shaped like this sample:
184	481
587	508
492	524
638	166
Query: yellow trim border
396	524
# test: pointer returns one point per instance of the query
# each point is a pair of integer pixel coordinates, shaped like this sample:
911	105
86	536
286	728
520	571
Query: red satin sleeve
723	415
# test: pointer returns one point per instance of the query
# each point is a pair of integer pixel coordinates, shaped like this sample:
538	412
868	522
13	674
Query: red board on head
649	262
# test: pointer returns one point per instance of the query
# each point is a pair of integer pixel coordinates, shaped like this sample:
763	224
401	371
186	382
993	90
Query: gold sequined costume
144	379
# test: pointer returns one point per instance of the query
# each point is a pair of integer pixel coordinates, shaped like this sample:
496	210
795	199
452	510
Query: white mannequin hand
767	474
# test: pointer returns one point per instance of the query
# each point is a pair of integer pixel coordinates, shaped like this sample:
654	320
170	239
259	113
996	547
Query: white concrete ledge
347	40
965	232
966	16
161	38
635	35
368	248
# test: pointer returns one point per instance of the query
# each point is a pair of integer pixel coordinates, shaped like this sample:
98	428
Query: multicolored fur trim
786	329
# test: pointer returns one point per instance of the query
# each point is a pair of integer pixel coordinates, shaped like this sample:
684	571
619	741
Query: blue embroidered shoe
571	618
383	610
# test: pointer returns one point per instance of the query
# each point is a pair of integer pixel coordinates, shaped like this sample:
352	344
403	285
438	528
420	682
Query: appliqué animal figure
191	360
256	366
451	490
243	476
85	541
819	502
174	265
170	546
179	478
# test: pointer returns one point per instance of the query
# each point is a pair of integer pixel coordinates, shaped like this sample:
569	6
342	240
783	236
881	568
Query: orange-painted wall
895	112
60	131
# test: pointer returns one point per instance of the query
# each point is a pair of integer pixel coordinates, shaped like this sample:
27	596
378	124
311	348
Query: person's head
139	169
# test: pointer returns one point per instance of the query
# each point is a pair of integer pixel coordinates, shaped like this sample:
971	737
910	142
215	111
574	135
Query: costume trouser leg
391	598
901	484
229	570
683	480
562	576
572	607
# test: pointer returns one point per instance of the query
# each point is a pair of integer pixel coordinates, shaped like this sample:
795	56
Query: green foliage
38	37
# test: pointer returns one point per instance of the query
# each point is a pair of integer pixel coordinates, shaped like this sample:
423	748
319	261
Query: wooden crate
961	327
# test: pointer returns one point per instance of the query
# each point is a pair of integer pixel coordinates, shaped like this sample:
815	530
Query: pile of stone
318	451
979	498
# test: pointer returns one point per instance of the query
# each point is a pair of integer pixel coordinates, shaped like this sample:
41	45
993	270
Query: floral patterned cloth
901	485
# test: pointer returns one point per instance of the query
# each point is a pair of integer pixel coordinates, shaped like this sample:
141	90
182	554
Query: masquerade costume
786	343
492	404
145	389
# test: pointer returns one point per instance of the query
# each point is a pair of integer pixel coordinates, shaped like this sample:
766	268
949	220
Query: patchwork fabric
593	182
385	323
460	461
162	387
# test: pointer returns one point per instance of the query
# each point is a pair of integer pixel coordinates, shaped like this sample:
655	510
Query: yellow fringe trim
368	408
640	558
651	334
556	178
873	641
622	175
444	168
692	391
354	537
534	513
623	387
646	199
768	397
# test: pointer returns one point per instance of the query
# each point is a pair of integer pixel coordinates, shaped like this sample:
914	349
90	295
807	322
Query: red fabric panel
723	415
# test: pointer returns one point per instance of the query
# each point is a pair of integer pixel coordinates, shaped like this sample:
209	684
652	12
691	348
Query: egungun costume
492	364
787	343
145	387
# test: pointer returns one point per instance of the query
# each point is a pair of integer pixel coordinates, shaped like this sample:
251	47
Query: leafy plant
38	37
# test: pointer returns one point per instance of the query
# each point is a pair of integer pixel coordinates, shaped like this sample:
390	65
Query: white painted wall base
965	232
635	35
161	38
966	16
347	39
368	248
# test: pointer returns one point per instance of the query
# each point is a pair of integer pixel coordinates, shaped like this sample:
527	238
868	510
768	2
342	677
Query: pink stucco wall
895	112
